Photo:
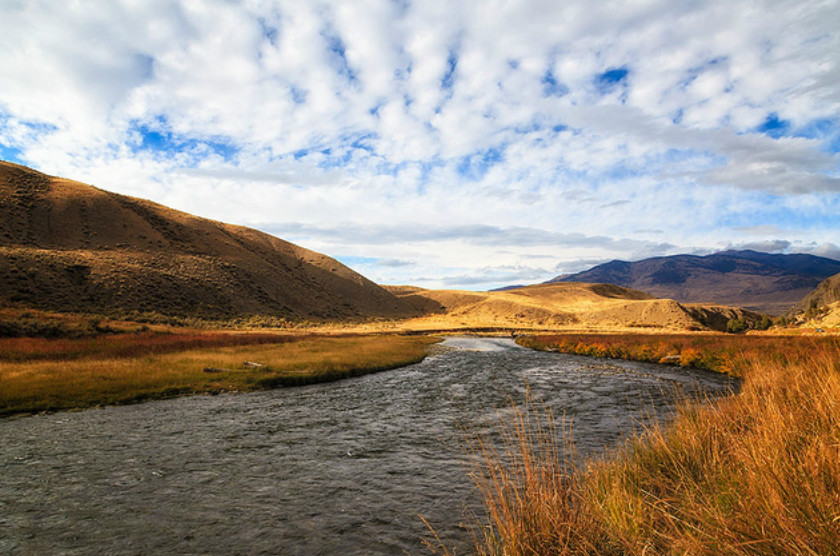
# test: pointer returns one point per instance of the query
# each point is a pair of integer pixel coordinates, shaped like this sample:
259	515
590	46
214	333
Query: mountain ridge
762	282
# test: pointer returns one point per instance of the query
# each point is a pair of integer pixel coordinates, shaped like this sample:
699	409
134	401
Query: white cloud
487	119
828	250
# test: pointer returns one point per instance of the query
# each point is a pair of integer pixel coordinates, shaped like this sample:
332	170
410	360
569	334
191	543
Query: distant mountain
508	288
758	281
67	246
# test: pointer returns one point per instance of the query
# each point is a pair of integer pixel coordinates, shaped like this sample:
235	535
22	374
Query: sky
469	144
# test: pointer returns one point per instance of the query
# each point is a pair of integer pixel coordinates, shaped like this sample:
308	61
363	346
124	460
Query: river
339	468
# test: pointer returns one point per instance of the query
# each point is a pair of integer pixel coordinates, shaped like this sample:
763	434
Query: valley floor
756	473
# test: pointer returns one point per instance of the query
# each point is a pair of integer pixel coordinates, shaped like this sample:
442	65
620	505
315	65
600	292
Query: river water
339	468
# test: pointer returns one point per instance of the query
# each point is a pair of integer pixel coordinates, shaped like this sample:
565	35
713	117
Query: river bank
755	473
39	374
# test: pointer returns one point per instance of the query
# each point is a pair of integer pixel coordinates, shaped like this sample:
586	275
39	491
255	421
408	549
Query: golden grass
724	353
527	482
68	383
754	474
104	346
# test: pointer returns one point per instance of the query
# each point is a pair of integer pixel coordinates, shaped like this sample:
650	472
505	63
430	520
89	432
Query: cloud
579	265
505	275
769	246
761	230
473	234
443	133
395	263
827	250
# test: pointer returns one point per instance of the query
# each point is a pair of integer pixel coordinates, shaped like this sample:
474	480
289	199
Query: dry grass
125	345
723	353
527	483
754	474
72	382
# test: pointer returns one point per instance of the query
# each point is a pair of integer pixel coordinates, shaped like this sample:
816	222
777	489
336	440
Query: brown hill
826	293
563	305
763	282
820	307
67	246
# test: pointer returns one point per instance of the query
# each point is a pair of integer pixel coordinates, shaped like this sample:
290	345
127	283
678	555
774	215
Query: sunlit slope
68	246
573	305
821	307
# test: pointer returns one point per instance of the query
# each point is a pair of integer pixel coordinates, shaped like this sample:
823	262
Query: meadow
40	374
752	474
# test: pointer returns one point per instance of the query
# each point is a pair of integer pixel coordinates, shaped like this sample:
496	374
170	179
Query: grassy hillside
67	246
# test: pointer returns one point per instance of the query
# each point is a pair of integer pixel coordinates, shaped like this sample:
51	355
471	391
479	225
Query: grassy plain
756	473
38	374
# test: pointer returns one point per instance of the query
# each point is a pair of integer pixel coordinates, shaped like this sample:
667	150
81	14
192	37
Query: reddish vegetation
715	352
126	345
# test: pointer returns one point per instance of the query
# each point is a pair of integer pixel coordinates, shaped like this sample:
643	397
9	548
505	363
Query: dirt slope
820	307
68	246
573	305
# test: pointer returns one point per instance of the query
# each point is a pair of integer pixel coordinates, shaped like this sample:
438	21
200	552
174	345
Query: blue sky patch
336	47
353	260
475	166
11	154
833	146
363	142
772	213
774	127
448	79
160	140
610	79
551	86
824	130
8	149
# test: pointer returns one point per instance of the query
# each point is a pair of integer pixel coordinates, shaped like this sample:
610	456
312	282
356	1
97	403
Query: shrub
736	326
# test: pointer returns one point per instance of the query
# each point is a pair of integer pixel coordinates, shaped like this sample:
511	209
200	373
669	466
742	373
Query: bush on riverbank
754	474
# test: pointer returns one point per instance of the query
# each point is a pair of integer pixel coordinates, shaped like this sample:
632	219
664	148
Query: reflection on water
339	468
